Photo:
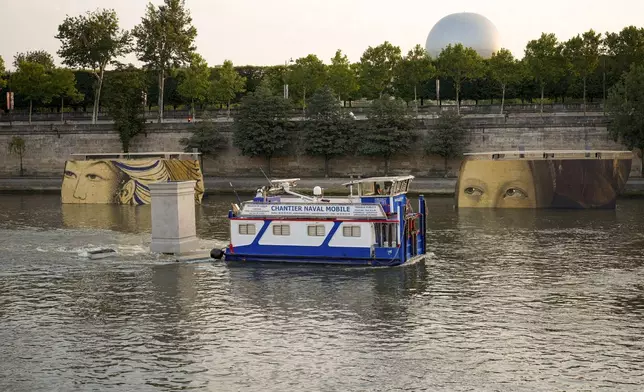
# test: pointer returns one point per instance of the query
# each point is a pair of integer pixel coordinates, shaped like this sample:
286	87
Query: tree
206	138
414	69
582	52
390	130
623	49
229	84
545	61
31	81
164	40
447	139
309	74
2	71
625	107
341	78
124	92
37	56
196	82
63	85
326	131
459	64
17	146
504	69
261	125
377	69
93	41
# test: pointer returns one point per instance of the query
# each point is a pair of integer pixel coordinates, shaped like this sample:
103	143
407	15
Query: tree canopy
341	77
377	69
124	100
228	84
459	64
545	61
261	125
625	106
165	40
447	139
93	41
504	69
195	84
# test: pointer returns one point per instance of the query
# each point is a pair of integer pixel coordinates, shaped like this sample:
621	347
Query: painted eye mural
122	181
575	180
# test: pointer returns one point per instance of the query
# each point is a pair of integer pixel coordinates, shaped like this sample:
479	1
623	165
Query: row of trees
585	66
263	129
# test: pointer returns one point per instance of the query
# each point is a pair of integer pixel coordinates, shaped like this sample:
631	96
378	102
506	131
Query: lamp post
285	71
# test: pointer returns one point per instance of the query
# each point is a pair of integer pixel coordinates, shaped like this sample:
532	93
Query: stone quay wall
49	146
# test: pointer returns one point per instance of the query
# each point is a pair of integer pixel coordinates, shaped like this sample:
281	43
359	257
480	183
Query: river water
509	301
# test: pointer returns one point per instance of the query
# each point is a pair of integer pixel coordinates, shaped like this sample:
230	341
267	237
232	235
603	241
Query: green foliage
31	81
206	138
623	49
164	40
377	69
327	129
37	56
63	85
93	41
2	71
228	84
459	64
308	75
414	69
447	139
504	69
124	101
545	61
625	106
196	81
17	146
390	131
582	53
261	125
341	77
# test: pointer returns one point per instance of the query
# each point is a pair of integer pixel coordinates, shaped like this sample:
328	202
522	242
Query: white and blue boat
375	225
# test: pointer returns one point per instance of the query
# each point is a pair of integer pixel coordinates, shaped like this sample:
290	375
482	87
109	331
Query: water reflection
509	300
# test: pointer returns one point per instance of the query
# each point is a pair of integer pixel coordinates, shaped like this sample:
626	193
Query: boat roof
549	154
379	179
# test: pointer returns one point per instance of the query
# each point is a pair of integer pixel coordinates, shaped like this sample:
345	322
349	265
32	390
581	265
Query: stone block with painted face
543	179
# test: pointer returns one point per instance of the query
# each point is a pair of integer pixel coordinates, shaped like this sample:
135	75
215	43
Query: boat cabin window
376	188
351	231
316	230
247	229
401	186
282	230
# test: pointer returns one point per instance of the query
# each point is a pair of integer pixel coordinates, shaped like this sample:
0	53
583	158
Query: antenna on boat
238	199
270	184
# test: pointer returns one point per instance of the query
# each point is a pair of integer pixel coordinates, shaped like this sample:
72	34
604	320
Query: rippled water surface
509	301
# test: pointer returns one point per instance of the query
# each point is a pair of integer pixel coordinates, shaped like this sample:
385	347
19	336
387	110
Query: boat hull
233	258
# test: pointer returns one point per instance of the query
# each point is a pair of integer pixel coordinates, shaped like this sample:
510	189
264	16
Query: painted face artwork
497	184
558	183
88	182
124	181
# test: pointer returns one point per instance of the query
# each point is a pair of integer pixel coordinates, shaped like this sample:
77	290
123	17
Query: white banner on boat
318	210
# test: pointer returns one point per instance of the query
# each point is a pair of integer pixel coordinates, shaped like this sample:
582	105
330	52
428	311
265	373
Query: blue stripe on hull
307	260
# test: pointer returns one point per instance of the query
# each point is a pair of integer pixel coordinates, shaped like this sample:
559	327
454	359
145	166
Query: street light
285	70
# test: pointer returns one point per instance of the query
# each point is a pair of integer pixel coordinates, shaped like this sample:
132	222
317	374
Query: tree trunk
22	172
304	104
62	110
415	100
97	96
386	166
192	107
445	162
502	98
543	87
229	108
584	96
161	86
458	103
30	107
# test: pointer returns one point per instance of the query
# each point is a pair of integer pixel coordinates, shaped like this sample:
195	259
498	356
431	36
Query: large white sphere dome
466	28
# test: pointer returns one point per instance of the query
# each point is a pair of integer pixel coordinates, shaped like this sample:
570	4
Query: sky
269	32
